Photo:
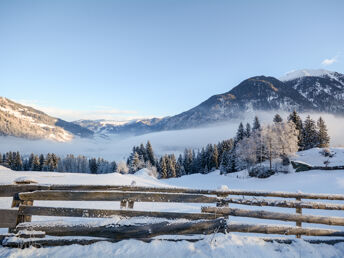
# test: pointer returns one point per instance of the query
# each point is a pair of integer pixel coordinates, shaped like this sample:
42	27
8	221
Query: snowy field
219	245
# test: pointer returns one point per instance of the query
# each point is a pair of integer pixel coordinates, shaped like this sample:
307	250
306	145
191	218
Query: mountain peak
305	73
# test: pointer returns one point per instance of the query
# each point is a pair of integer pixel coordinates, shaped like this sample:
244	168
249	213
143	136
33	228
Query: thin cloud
99	112
330	61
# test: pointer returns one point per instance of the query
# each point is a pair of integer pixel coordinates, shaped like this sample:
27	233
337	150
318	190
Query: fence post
16	202
221	204
298	211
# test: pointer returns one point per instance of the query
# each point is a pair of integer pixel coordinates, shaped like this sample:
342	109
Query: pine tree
256	124
41	161
309	134
31	157
143	153
240	133
135	163
171	165
1	158
248	130
150	153
213	164
35	164
225	163
18	162
323	137
92	163
277	119
296	119
180	171
188	159
163	167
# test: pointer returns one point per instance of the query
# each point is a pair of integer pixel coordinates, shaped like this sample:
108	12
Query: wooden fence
213	217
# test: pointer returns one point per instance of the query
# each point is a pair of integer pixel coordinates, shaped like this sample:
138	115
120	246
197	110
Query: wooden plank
284	203
8	218
10	190
101	213
199	191
115	231
65	195
276	216
30	234
282	230
298	211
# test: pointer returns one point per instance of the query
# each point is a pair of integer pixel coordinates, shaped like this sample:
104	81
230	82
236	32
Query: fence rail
209	220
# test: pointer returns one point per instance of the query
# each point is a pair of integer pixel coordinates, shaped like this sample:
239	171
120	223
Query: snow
305	73
217	245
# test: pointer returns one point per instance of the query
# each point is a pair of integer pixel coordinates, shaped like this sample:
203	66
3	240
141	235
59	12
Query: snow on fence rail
209	220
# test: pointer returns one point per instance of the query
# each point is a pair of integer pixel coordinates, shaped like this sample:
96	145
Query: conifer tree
163	167
41	161
248	130
277	119
150	153
256	124
31	157
1	158
240	133
309	134
18	162
323	137
171	165
92	163
296	119
35	164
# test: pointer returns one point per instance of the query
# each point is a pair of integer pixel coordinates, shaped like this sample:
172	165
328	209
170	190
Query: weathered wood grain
66	195
101	213
131	231
282	230
339	221
8	218
284	203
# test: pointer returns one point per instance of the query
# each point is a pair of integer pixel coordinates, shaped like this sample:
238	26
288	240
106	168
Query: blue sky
125	59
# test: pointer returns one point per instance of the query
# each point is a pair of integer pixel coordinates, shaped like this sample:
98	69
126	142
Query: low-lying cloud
118	148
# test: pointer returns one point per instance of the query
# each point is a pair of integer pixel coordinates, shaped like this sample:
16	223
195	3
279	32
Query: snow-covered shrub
326	153
261	172
122	167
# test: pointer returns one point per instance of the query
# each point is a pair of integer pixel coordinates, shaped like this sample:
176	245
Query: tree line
252	144
51	162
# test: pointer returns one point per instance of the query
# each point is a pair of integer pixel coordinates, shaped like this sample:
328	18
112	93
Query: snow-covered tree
323	137
240	133
150	153
277	119
296	119
309	134
256	124
248	130
246	150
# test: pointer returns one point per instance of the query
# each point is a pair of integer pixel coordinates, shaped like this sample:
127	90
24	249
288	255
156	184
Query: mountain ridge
262	93
26	122
303	91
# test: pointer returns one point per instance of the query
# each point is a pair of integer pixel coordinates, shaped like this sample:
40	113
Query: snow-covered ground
219	245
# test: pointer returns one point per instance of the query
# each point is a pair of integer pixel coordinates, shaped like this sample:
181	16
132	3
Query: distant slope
26	122
304	91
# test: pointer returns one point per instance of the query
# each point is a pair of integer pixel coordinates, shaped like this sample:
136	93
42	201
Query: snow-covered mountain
26	122
132	127
303	90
